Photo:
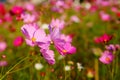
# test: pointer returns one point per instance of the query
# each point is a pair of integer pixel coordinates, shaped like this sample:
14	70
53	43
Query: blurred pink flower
106	2
29	7
74	18
57	23
114	9
1	21
3	63
28	18
102	2
107	57
59	3
105	16
93	8
110	47
8	17
3	46
18	41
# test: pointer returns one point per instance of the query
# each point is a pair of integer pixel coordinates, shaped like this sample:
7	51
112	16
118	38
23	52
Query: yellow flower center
107	59
51	42
64	51
33	39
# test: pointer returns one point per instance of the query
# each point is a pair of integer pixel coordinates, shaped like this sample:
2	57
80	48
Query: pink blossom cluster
109	54
36	36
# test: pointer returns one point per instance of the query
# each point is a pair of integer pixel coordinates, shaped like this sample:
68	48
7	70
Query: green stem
64	70
12	68
23	67
96	69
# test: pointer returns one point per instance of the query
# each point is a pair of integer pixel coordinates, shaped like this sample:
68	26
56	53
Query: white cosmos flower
44	26
79	66
67	68
38	66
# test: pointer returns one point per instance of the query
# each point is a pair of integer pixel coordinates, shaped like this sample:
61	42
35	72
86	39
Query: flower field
59	40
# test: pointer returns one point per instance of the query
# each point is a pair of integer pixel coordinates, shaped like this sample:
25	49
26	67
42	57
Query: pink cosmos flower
114	9
59	3
1	21
105	16
3	46
33	34
18	41
27	18
66	38
3	63
74	18
48	55
17	10
107	57
57	23
93	8
29	7
61	45
8	17
110	47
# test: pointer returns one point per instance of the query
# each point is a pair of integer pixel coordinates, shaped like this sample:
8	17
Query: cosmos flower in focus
106	57
32	33
48	55
61	45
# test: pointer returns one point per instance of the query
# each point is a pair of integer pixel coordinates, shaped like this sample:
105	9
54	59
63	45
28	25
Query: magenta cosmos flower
61	45
107	57
103	39
2	9
17	10
18	41
33	34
